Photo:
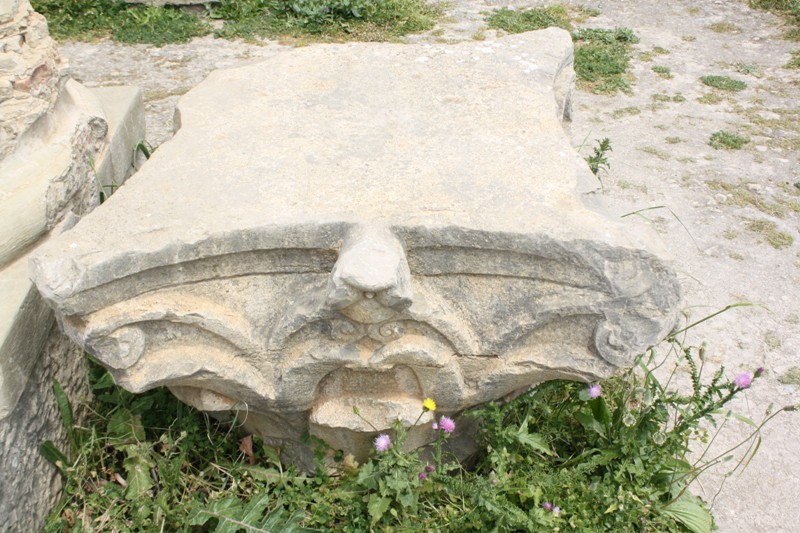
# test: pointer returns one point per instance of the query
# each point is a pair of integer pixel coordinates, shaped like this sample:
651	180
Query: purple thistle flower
430	468
595	391
423	476
547	506
742	381
447	424
382	442
759	371
557	511
435	425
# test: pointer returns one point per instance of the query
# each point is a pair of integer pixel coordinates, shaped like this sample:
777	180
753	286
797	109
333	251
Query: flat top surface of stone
465	136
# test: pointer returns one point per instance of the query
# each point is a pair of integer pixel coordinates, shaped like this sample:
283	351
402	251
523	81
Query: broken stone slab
363	225
29	208
59	143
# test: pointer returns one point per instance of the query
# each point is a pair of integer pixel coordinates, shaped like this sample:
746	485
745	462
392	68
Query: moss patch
769	231
727	140
514	21
724	83
739	195
724	27
791	377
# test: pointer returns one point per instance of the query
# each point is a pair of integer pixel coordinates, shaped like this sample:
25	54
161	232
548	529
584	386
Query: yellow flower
429	404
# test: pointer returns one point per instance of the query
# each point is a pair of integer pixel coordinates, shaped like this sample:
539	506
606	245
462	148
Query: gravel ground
716	210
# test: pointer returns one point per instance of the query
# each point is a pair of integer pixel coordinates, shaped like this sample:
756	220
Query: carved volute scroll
362	255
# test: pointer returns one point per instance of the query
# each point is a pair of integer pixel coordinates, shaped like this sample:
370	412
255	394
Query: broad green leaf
534	441
376	507
590	423
65	409
255	508
138	464
125	426
367	477
272	455
53	454
531	440
690	511
744	419
270	475
408	499
600	410
222	510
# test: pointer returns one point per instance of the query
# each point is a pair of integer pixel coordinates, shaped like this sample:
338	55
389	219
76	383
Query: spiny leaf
125	426
376	507
532	440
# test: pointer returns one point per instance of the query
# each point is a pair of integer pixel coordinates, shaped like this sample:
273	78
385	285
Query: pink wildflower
382	442
742	381
423	476
595	390
447	424
435	425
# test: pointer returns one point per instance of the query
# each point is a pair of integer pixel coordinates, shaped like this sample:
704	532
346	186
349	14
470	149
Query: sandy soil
713	208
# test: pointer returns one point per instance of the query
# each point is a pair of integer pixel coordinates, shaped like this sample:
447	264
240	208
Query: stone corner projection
362	225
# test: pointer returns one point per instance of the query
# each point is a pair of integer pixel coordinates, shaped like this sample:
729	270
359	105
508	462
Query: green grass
602	56
739	195
514	21
724	27
794	62
662	97
724	83
710	99
788	9
602	59
770	232
149	463
93	19
791	377
727	140
663	72
312	20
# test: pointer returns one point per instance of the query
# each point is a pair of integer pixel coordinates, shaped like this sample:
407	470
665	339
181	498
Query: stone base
30	486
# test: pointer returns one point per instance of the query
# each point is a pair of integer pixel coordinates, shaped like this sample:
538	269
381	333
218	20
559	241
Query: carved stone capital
397	223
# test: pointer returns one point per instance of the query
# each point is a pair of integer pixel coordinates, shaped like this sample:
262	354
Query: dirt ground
725	215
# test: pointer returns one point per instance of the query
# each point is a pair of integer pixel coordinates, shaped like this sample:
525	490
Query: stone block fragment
57	143
363	225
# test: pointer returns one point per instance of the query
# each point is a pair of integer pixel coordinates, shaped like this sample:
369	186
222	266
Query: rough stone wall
30	71
29	485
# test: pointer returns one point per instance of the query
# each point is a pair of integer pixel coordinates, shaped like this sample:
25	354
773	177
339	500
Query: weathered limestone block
31	72
364	226
29	485
59	143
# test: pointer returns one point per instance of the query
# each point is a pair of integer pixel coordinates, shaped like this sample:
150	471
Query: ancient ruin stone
365	226
59	144
31	71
